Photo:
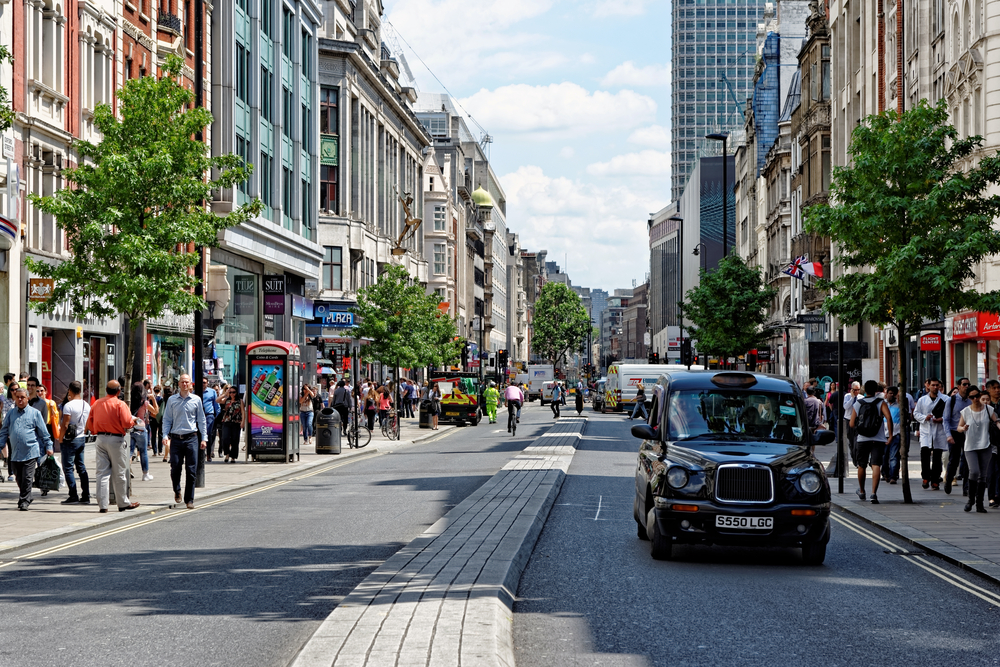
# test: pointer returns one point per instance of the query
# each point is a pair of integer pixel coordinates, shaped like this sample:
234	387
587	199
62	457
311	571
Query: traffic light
686	357
501	358
649	357
656	357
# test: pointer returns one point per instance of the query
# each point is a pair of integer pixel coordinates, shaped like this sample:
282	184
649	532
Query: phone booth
272	398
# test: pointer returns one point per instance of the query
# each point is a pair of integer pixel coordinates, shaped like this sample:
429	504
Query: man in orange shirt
109	419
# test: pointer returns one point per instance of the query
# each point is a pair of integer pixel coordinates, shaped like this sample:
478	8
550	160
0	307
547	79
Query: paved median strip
447	597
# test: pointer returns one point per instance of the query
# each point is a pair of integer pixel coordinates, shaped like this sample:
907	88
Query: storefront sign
40	289
965	326
274	295
764	355
245	290
930	342
302	307
8	233
333	314
47	364
810	318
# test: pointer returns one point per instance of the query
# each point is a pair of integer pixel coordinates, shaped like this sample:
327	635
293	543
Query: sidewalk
49	519
447	597
935	521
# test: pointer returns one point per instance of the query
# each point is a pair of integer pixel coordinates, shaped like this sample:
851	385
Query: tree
136	202
403	323
446	347
729	309
6	113
910	226
561	323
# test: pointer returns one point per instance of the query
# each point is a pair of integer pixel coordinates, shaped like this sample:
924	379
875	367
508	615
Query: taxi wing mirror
645	431
825	437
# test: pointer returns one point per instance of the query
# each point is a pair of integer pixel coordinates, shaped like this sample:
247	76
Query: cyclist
491	396
514	398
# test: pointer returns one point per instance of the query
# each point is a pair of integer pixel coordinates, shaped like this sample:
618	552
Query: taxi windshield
734	414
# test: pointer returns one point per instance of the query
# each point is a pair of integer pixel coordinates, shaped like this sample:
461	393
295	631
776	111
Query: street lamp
704	254
680	275
724	138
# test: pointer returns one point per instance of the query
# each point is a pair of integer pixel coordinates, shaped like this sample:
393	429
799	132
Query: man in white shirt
929	411
75	414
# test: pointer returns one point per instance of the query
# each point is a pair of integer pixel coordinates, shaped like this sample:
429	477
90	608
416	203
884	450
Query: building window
306	127
243	150
332	267
437	126
328	189
306	63
449	259
266	186
287	112
439	218
287	34
266	25
328	116
266	112
243	73
307	216
439	259
286	192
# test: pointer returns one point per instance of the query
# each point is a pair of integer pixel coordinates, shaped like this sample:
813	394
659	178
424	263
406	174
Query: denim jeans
890	464
139	442
307	424
72	458
640	405
184	454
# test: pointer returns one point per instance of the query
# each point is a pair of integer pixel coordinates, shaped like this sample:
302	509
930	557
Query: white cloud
627	74
604	8
644	163
599	229
497	37
558	107
567	152
654	136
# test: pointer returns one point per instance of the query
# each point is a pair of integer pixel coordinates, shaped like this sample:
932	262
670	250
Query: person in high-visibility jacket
491	396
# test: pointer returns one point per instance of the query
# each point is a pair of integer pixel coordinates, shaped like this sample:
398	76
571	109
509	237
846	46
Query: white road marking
599	501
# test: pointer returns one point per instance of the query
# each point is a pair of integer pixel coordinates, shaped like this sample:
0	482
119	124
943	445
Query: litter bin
425	414
328	431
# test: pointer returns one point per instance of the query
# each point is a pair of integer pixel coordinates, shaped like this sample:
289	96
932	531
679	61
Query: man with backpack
873	421
956	440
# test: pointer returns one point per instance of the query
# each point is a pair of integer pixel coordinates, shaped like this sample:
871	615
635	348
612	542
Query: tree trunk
904	421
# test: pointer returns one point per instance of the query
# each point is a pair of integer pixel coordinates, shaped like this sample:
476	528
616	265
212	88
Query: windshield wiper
713	436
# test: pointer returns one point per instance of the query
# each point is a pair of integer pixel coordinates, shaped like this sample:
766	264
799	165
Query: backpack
869	421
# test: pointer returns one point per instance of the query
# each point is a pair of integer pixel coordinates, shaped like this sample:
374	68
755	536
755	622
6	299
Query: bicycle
358	435
389	425
512	407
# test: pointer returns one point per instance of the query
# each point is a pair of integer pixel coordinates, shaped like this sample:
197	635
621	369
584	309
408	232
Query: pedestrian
890	464
25	430
52	410
164	442
434	394
974	423
814	413
230	424
110	419
831	408
993	478
872	422
306	412
956	439
341	402
491	397
142	406
515	399
73	426
384	403
557	399
640	402
852	435
37	402
929	412
185	427
8	405
370	407
155	422
210	401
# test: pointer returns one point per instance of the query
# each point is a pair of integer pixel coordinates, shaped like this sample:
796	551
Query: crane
729	87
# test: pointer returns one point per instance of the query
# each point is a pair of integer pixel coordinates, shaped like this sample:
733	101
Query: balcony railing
169	22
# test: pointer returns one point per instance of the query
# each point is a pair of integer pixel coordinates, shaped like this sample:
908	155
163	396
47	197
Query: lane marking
600	499
918	560
173	515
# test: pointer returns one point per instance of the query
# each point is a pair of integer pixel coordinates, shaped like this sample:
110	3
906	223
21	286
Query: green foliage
6	113
729	308
561	323
909	225
404	324
136	197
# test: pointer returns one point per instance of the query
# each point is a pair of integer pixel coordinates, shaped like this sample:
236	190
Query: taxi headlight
810	482
677	477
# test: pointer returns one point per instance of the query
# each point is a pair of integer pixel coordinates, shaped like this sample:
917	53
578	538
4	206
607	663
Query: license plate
744	522
451	414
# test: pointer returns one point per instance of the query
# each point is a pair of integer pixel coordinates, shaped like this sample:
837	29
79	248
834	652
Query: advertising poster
267	391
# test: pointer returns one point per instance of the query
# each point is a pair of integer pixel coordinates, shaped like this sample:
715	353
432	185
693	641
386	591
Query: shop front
168	348
974	350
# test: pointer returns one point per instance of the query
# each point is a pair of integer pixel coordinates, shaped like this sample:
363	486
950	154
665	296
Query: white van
623	381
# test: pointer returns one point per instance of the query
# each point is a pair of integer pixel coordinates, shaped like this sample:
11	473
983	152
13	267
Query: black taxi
725	459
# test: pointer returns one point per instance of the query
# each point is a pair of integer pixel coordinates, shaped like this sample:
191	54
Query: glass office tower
713	53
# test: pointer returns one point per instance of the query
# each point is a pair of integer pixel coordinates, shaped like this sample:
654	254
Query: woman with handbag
306	412
230	424
371	401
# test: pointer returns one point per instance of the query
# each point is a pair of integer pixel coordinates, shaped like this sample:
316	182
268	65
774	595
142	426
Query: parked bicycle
390	425
358	435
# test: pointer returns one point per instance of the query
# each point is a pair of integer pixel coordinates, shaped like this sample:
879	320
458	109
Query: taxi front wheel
660	546
814	553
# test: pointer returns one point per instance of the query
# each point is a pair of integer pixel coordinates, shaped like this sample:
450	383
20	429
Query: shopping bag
47	475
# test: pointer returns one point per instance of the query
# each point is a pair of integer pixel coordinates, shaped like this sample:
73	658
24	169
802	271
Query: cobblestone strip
447	597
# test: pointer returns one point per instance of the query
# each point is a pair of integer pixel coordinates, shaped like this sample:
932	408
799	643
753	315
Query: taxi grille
735	483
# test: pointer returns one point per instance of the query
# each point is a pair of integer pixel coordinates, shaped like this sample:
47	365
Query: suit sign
274	295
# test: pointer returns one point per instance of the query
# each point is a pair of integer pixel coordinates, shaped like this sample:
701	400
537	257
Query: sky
576	95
